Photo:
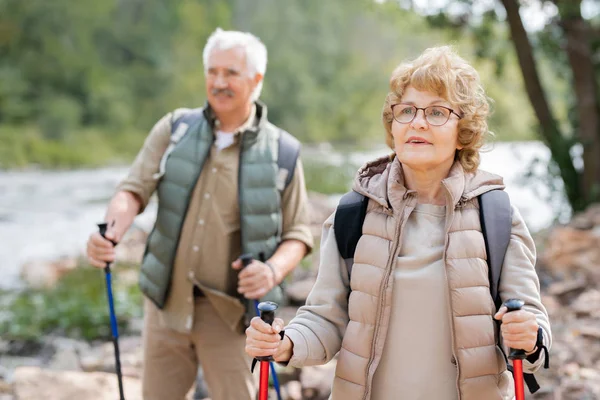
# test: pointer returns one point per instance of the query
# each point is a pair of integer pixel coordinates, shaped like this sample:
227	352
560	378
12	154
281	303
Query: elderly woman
415	320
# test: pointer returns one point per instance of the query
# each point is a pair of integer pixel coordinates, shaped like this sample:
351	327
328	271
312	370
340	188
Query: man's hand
519	329
122	209
100	250
256	279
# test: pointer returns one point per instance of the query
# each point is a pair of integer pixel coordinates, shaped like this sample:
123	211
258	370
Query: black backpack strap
495	215
289	150
181	121
347	224
185	118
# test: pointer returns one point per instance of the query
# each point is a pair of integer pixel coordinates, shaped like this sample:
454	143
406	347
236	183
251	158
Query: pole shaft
263	389
118	368
518	377
114	329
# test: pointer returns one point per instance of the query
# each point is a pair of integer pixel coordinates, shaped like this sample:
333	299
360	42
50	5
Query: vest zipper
449	219
389	267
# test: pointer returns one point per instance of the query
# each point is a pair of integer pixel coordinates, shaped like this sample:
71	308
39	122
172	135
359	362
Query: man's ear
258	78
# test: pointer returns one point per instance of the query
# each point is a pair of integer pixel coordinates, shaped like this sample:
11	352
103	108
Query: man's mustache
227	92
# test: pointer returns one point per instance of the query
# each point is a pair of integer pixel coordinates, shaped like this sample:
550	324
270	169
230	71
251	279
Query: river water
48	214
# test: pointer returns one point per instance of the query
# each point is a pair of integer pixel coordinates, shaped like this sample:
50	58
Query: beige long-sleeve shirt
419	366
210	238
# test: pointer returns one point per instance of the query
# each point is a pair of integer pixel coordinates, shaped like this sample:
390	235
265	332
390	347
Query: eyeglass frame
424	114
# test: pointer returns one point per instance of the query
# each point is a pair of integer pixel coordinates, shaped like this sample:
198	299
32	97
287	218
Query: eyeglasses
434	115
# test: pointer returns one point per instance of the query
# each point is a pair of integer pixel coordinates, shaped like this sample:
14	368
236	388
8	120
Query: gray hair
255	50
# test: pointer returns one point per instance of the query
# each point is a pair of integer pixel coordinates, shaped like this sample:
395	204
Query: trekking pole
517	355
246	260
113	319
267	314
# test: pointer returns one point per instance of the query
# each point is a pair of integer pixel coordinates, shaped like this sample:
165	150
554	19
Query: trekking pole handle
102	228
515	305
246	259
267	314
267	311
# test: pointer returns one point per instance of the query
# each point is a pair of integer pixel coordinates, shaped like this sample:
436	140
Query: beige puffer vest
482	373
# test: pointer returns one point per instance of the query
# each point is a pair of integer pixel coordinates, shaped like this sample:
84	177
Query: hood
382	180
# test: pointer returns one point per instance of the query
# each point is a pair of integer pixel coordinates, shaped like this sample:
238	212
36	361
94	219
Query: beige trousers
171	358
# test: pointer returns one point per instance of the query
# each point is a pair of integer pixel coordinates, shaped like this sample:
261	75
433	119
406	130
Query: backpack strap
347	225
495	215
181	120
289	151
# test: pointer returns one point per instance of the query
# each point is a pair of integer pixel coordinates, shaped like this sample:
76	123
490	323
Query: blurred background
81	84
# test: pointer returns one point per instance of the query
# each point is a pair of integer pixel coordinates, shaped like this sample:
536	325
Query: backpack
289	146
495	215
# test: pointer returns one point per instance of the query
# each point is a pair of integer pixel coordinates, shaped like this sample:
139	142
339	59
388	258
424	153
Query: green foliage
70	68
60	115
77	307
564	64
326	178
25	145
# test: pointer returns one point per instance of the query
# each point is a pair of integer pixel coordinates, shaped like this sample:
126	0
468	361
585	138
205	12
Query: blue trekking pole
246	260
113	319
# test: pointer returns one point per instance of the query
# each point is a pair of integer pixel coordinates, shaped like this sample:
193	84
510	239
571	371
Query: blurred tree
97	75
571	46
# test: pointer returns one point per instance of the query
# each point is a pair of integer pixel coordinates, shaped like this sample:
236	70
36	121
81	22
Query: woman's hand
263	339
519	329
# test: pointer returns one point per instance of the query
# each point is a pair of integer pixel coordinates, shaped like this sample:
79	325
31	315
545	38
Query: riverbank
69	366
46	215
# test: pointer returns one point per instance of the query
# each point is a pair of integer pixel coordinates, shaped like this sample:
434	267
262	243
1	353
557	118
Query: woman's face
419	144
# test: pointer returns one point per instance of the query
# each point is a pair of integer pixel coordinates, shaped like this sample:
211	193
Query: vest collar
382	180
259	119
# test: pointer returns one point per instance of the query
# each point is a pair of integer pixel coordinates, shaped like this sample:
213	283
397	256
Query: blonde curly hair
442	71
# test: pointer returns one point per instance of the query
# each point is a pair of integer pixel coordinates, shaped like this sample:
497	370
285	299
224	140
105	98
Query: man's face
228	83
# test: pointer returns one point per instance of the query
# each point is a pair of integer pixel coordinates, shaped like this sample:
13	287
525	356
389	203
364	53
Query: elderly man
228	183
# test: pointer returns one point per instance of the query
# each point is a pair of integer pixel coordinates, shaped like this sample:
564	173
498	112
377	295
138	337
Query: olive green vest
259	197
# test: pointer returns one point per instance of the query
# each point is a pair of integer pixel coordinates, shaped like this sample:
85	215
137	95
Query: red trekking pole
517	355
267	314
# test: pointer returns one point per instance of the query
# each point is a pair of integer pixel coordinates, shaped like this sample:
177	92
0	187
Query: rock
293	391
65	360
588	303
317	380
552	304
321	207
45	274
5	387
298	291
102	357
10	363
588	219
569	249
592	331
561	288
66	353
31	383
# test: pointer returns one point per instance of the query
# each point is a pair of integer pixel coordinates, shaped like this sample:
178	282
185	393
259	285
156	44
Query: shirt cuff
535	360
137	191
300	349
301	235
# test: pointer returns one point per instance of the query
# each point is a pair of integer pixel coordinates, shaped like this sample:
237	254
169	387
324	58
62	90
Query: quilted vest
259	197
480	363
